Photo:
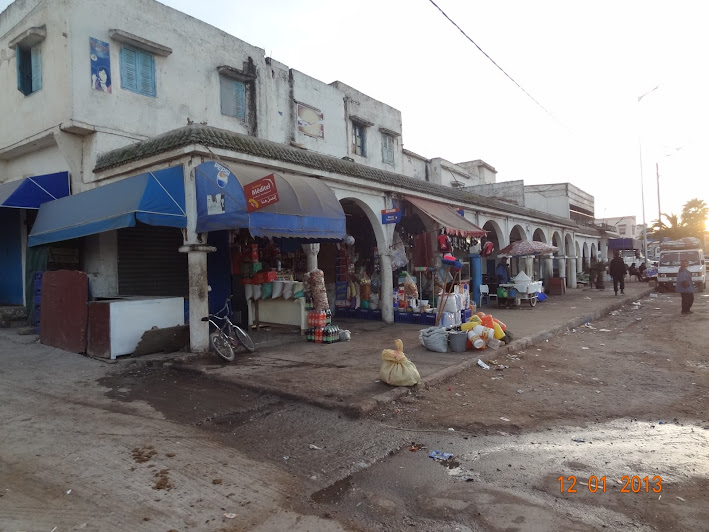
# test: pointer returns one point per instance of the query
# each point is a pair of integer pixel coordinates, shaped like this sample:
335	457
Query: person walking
685	287
617	270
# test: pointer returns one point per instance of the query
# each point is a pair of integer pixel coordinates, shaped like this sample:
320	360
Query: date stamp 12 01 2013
631	484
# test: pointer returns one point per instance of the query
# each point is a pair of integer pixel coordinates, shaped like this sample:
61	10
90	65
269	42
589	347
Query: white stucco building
98	92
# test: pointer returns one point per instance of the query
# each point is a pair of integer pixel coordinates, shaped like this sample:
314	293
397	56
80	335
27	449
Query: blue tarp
31	192
307	208
154	198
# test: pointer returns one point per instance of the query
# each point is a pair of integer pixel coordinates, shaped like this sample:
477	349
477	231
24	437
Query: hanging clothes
423	250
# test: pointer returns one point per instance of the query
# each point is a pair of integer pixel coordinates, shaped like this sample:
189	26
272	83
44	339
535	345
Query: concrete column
386	302
529	266
548	269
476	272
196	249
562	267
603	251
311	256
571	282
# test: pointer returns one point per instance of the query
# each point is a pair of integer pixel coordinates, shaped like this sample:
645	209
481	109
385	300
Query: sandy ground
625	397
139	446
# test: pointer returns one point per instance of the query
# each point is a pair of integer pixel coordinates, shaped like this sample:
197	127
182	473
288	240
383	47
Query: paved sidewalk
345	375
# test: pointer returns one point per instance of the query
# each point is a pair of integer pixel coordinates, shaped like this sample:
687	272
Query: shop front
274	225
423	231
18	202
128	234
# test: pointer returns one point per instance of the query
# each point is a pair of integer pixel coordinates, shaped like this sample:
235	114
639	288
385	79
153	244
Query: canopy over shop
416	242
268	218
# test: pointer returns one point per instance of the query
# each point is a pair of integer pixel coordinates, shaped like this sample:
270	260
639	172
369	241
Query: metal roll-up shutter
149	263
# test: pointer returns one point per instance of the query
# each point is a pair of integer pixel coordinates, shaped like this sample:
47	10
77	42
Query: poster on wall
310	121
100	65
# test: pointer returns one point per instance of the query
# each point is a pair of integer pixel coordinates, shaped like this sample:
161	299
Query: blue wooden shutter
240	100
129	76
146	73
36	68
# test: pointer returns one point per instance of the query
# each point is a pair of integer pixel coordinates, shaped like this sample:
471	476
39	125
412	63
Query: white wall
414	165
330	102
49	106
101	263
381	115
551	199
505	191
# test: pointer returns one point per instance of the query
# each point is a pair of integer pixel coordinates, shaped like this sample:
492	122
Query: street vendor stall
521	288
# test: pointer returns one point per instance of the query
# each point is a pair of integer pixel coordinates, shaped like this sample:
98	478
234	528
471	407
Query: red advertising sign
261	193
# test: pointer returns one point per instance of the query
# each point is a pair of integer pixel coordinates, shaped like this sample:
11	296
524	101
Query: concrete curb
361	408
368	405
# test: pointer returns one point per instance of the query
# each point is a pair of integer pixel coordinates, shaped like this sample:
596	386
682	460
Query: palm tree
694	217
673	229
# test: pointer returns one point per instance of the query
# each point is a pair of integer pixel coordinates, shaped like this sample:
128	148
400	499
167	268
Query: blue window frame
359	145
29	69
233	97
138	71
387	149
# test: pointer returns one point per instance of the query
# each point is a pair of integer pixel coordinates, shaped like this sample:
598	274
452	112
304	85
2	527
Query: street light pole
659	211
642	195
642	187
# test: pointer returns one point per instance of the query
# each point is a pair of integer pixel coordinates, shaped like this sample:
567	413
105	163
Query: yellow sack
396	369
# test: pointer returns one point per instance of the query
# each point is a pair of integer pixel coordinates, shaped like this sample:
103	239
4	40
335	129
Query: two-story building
135	131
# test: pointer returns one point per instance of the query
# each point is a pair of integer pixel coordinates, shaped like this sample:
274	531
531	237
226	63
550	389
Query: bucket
457	340
501	292
511	293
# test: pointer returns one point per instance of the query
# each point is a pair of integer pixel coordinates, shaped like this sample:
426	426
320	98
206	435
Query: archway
539	235
360	257
496	236
558	242
594	256
517	233
569	246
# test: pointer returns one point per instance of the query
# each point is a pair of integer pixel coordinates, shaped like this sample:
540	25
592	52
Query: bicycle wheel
244	339
221	345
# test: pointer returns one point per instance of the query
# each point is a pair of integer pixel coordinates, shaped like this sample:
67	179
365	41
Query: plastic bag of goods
397	370
447	319
320	301
410	288
434	339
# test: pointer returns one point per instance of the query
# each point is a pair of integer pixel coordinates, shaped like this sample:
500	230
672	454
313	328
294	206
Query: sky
585	64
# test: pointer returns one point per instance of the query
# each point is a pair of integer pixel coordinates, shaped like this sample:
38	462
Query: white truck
674	252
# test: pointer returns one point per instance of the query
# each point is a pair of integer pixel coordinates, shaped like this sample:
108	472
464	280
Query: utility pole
659	211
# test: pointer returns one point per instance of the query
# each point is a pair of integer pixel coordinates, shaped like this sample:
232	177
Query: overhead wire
495	63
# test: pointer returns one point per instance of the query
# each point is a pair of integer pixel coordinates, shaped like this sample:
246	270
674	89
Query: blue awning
154	198
291	206
31	192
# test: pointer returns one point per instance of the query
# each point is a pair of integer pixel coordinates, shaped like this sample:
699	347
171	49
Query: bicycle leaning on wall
227	336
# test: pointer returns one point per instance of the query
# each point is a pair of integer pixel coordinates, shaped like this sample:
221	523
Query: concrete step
13	316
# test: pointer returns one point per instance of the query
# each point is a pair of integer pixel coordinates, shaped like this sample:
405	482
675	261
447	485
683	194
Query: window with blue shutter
138	71
387	149
233	97
29	69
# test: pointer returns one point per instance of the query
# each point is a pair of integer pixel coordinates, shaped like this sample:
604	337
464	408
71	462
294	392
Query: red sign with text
261	193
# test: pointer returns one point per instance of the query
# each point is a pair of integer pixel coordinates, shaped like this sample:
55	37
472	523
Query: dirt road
625	400
626	396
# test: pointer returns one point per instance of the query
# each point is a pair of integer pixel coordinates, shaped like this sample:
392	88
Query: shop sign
261	193
391	216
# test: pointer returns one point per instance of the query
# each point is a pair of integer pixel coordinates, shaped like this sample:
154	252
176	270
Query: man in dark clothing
617	270
685	287
641	271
